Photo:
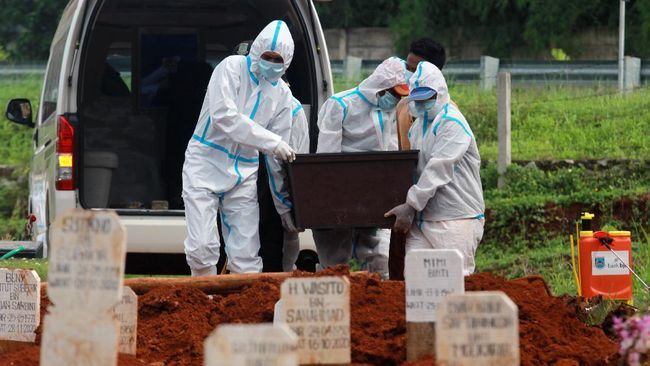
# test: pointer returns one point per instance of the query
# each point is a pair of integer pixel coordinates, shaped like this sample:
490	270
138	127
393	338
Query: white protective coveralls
299	141
351	121
242	114
448	194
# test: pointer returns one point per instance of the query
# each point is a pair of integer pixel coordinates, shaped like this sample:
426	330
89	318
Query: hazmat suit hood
387	75
275	37
430	76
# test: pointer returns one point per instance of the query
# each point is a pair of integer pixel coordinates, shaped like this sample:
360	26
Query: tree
413	22
638	29
501	25
356	13
552	23
504	25
497	23
28	27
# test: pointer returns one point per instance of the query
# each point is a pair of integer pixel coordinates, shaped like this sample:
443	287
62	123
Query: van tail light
65	155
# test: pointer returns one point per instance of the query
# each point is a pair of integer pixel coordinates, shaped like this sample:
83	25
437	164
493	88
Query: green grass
562	122
16	148
547	123
16	151
571	184
551	122
552	261
558	122
39	265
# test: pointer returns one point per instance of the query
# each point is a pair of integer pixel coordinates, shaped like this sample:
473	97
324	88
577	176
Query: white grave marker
86	274
126	312
20	304
251	345
317	309
477	329
87	260
277	313
430	275
79	339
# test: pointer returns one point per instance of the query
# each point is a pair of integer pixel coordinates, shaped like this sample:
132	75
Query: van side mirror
20	111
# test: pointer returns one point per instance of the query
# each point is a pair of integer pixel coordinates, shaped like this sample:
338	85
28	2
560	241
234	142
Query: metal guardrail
22	69
572	72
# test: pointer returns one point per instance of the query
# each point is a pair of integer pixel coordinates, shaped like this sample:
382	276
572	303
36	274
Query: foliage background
548	123
28	25
504	24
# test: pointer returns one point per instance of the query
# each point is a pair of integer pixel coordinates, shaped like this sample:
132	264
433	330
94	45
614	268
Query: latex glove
287	223
404	215
284	152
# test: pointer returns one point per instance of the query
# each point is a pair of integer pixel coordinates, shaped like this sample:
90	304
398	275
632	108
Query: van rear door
44	163
144	70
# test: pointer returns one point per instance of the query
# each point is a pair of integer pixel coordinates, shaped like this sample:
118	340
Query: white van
123	90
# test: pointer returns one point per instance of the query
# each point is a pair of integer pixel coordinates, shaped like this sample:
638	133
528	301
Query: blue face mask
387	101
407	75
418	108
270	70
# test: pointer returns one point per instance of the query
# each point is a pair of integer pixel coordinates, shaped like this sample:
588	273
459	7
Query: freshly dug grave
173	322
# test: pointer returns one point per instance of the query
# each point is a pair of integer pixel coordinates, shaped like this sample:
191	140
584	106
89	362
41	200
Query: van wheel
307	261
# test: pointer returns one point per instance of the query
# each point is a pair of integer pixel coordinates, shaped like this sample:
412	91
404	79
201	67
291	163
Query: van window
119	61
51	88
145	68
160	55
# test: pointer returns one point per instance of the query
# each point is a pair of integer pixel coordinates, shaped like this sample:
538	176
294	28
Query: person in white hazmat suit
247	108
361	119
299	141
445	208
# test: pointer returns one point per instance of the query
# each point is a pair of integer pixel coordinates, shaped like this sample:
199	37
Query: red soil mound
174	322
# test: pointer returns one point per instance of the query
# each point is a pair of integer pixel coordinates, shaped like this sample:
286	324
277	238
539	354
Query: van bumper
166	234
149	234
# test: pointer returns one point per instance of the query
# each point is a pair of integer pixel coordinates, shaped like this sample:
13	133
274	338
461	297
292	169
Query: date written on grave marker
431	275
20	304
126	312
478	329
318	311
251	345
87	260
85	275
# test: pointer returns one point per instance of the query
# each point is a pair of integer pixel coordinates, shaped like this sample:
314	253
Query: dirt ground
173	323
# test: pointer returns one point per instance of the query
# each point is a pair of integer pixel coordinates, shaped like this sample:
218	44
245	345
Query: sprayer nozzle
587	216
